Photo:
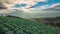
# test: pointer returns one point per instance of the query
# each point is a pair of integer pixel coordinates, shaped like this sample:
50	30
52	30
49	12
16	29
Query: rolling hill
15	25
53	21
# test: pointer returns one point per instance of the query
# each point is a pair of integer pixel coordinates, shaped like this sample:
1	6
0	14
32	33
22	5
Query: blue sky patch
49	2
19	5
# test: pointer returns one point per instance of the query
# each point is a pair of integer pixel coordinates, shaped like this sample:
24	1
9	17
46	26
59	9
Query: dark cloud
57	7
54	8
2	6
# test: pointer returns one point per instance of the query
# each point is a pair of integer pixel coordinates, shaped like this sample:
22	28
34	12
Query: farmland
16	25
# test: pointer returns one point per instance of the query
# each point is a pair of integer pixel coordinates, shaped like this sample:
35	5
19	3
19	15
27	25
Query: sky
49	2
28	5
30	8
45	4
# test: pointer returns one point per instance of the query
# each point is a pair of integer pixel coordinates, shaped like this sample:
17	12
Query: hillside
54	21
15	25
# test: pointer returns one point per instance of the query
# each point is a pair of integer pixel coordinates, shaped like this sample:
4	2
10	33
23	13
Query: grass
13	25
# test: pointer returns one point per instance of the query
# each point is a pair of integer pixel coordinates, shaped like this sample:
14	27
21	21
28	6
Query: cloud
56	6
47	6
52	8
29	4
10	3
2	6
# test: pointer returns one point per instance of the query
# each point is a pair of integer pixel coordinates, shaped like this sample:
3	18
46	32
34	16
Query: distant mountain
54	21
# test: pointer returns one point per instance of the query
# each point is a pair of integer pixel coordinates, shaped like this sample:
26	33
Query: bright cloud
29	3
55	6
47	6
10	3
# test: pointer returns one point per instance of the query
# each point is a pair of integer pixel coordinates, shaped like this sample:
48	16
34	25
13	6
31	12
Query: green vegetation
53	21
14	25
